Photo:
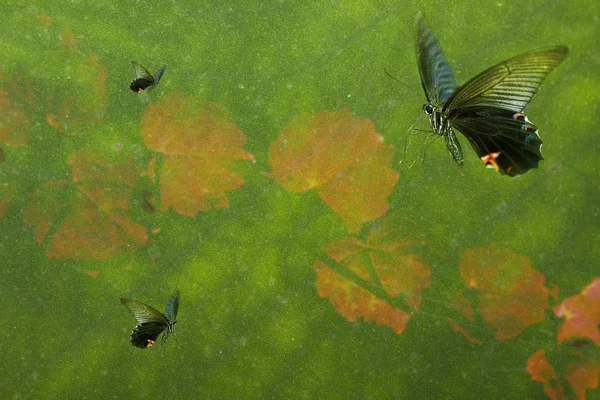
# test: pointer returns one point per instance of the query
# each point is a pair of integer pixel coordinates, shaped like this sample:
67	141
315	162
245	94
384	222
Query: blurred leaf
200	149
15	95
88	217
509	295
6	193
540	370
342	157
579	368
380	280
582	314
82	97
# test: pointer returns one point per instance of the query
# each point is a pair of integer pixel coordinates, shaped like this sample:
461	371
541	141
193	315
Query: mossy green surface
251	324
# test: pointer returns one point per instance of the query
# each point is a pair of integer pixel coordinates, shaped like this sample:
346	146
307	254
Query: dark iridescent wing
172	307
503	139
436	75
509	85
145	335
143	312
143	78
159	74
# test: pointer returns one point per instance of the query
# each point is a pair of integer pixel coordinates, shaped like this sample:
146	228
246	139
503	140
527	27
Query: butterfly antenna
398	80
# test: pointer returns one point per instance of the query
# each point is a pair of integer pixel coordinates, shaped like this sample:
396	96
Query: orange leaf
14	120
540	370
582	314
342	157
82	97
376	272
87	218
200	149
511	295
6	193
579	368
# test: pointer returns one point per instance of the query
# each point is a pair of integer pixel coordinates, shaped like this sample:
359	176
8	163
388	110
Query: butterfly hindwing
503	139
145	335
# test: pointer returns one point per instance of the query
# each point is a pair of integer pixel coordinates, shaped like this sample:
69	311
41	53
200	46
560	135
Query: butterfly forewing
159	74
143	312
172	307
436	75
510	84
141	72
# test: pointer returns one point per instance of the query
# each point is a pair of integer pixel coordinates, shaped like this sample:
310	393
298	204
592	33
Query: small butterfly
143	78
151	322
488	109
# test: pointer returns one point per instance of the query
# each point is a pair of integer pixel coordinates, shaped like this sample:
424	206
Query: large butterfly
488	109
143	80
151	322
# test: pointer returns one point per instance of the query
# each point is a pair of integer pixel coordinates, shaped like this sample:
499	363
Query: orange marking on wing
490	160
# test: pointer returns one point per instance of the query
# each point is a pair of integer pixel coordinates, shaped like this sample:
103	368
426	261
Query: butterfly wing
145	335
151	323
502	139
143	78
436	75
159	74
509	85
143	312
172	307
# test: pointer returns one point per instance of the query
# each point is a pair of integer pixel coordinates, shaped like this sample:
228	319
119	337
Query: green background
251	324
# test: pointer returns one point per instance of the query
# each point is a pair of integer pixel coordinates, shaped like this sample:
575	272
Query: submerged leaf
582	314
15	122
380	280
200	149
510	294
340	156
87	218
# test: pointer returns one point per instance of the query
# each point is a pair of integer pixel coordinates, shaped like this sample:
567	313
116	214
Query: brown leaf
579	368
340	156
15	122
82	98
6	193
200	150
540	370
511	295
582	314
87	218
368	277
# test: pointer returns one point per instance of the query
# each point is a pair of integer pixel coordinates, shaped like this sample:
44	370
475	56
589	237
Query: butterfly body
144	80
151	322
488	109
